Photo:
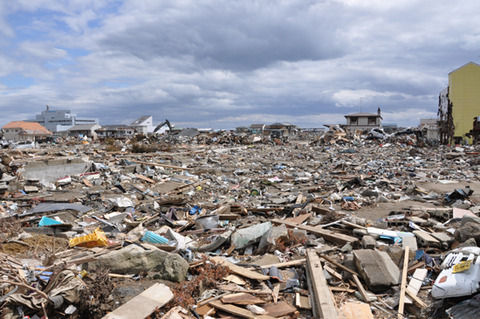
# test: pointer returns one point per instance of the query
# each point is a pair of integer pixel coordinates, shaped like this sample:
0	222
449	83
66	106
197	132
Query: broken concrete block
444	238
408	240
244	237
396	253
469	228
425	239
135	259
377	269
368	242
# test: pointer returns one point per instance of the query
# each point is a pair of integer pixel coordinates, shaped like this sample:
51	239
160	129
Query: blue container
194	210
151	237
47	221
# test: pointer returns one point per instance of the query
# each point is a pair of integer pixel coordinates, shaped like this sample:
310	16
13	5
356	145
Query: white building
143	125
61	120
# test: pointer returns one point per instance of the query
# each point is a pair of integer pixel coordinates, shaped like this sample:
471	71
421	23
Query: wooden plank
240	270
204	310
341	289
275	292
145	178
333	272
321	295
162	165
286	264
279	309
237	311
415	298
242	299
236	280
416	282
403	284
300	199
326	234
415	266
143	304
302	302
299	219
361	289
355	310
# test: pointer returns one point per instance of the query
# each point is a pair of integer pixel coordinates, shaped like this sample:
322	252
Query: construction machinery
159	126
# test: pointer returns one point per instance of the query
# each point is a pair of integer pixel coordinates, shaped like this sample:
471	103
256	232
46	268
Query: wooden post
403	285
323	304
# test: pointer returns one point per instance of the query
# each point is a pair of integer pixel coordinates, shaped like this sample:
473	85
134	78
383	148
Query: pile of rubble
226	227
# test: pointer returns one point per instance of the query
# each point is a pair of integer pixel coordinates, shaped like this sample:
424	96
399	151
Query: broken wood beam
321	295
237	311
329	235
361	289
415	298
143	304
162	165
244	272
336	264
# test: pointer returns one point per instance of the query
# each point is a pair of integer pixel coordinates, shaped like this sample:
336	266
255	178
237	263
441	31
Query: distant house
84	130
241	129
363	121
257	128
24	131
281	129
115	131
143	125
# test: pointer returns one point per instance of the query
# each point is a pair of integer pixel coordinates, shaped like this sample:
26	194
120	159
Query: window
372	120
354	120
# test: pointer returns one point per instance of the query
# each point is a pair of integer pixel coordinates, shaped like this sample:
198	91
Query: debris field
228	226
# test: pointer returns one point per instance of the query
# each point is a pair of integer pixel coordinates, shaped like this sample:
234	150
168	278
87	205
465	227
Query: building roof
140	120
32	128
278	124
83	127
363	114
114	127
466	64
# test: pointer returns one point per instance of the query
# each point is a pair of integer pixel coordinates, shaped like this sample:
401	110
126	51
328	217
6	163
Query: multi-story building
459	104
60	120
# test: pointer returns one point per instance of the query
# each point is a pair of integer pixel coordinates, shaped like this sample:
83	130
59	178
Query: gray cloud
240	35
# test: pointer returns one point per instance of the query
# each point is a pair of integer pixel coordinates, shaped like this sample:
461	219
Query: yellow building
464	96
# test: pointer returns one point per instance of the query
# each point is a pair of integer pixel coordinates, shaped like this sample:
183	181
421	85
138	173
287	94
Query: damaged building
459	105
363	121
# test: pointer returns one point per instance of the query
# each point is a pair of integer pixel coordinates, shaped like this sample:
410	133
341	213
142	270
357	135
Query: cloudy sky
221	64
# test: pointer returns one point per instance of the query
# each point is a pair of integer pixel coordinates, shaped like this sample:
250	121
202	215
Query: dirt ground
383	209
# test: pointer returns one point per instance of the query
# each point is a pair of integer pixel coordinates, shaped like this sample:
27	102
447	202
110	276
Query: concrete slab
377	269
49	171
